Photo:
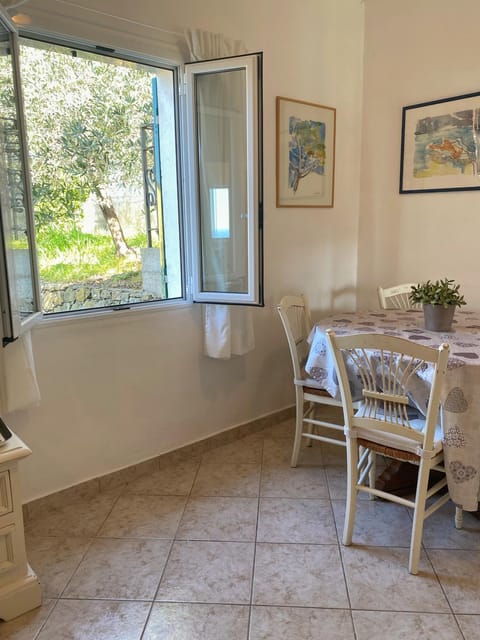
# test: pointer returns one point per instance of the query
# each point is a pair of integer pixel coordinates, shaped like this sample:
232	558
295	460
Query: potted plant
439	300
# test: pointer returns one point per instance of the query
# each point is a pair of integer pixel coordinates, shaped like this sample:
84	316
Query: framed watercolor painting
305	154
440	145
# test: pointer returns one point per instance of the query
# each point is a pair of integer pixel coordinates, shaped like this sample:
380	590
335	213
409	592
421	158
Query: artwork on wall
305	154
440	145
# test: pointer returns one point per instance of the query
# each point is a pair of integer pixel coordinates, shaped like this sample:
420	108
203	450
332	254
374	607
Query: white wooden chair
295	315
385	368
397	297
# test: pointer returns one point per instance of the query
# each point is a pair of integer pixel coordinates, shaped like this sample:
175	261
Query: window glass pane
14	202
220	208
102	141
222	139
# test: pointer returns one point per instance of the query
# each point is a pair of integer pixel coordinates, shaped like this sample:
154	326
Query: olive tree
84	116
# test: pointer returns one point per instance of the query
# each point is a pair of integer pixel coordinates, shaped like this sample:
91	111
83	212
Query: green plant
441	292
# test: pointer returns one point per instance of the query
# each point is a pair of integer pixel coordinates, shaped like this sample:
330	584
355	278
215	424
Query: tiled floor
238	546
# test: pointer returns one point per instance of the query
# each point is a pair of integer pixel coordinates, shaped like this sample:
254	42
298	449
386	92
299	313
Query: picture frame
305	153
440	145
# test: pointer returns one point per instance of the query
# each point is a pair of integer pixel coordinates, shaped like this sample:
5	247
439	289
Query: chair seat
395	442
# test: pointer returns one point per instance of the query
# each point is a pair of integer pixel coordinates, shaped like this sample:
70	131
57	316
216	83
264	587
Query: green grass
74	256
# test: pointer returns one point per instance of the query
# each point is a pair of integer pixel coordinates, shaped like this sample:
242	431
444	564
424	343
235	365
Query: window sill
102	315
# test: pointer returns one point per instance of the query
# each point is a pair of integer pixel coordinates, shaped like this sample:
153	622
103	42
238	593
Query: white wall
414	52
126	387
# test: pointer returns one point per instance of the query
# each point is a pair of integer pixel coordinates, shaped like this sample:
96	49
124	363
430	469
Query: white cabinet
19	587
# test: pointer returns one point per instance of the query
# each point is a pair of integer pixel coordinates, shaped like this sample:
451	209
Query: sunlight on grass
74	256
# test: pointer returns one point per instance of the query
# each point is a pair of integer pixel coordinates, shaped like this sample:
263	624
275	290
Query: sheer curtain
18	379
228	330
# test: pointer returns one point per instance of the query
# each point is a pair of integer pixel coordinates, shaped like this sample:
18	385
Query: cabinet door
19	295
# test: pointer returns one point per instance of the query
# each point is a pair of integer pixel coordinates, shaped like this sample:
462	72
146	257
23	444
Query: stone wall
60	297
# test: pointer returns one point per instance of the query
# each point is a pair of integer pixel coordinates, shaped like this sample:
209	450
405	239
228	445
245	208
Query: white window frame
251	64
13	322
188	214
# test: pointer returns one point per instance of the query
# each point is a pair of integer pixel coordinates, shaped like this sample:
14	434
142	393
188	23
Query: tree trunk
106	206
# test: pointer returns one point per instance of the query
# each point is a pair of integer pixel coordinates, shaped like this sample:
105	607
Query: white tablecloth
461	396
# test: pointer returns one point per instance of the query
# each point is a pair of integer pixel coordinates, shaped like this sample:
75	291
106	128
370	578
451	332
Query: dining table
460	400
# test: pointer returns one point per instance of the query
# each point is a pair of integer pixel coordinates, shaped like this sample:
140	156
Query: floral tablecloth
461	396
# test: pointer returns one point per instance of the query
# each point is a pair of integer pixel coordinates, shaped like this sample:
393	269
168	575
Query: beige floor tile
209	572
469	626
300	482
227	479
377	523
144	517
334	455
439	530
278	451
173	479
248	449
284	429
27	626
120	569
372	625
378	579
121	477
197	622
296	520
191	527
55	560
83	518
223	519
299	575
290	623
336	475
459	574
95	620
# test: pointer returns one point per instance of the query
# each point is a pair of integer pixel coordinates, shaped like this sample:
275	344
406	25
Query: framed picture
440	145
305	154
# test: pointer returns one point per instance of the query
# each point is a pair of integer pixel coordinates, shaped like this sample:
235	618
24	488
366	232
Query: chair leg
372	460
352	491
298	426
419	516
310	426
458	518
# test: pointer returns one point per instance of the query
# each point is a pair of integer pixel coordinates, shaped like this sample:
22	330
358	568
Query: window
224	127
103	155
107	211
19	296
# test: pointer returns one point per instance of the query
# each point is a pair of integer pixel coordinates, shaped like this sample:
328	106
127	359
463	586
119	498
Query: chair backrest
397	297
389	371
295	315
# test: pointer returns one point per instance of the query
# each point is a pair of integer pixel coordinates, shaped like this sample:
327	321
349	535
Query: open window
224	155
19	297
91	216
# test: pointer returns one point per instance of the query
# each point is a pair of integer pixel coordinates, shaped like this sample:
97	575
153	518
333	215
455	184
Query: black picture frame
440	145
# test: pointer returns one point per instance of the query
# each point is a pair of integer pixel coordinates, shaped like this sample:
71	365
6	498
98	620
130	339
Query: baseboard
94	486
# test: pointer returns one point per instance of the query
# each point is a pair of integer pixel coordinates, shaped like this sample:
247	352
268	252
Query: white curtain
228	330
19	386
203	45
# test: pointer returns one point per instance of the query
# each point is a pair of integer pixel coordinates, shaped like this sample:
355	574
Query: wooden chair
396	297
295	315
386	368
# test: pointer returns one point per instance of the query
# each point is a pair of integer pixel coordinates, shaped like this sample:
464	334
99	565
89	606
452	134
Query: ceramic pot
437	317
